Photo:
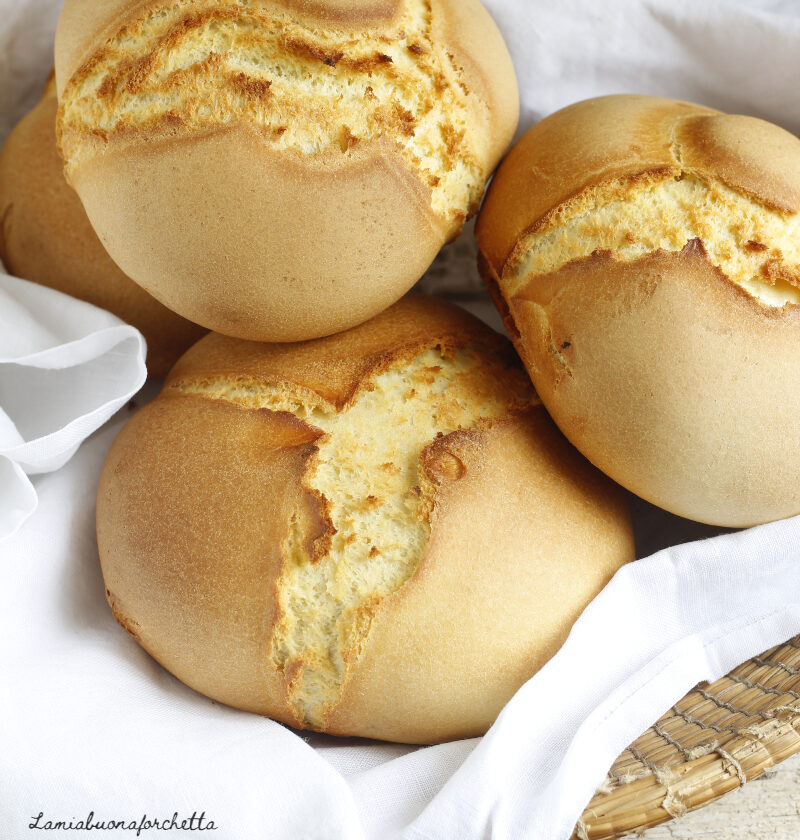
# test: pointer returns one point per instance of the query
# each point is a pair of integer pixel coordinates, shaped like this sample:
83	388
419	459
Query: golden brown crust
673	380
298	266
753	156
345	13
672	370
45	237
522	533
334	368
627	138
198	589
87	24
341	206
515	591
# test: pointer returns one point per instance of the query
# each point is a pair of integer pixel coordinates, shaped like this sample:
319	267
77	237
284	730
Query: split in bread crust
644	254
376	500
755	246
193	66
377	534
280	170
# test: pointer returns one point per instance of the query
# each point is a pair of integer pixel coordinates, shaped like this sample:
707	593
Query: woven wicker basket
710	743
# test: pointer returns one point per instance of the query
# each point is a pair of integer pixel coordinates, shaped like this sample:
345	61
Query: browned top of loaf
334	368
431	76
90	23
625	138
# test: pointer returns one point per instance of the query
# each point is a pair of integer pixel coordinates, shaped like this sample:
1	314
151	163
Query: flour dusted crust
378	534
45	237
279	170
645	254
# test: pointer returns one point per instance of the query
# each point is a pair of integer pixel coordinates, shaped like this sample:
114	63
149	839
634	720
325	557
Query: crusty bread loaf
280	169
646	256
380	533
46	237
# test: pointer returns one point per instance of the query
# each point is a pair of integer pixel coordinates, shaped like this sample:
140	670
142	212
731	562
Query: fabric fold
65	368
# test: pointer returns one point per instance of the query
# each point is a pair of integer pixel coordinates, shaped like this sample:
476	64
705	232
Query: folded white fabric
736	55
65	368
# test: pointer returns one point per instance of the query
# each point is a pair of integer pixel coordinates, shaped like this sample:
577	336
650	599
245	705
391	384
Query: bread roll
45	237
280	170
380	533
645	253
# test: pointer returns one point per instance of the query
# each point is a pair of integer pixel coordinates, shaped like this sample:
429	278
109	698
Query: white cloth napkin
89	723
65	368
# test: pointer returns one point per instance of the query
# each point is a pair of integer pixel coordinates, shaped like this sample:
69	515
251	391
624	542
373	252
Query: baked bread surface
377	534
645	255
45	237
280	170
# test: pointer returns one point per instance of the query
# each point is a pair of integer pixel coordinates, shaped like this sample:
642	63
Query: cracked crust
666	365
45	237
546	532
522	533
626	140
90	23
679	385
332	370
197	163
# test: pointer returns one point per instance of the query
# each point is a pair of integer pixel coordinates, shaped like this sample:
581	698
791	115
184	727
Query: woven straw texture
710	743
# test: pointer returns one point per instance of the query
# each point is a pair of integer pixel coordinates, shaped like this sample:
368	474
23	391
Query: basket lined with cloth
534	772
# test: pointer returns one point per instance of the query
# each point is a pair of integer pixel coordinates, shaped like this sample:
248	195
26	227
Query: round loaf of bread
45	237
646	256
379	533
280	170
